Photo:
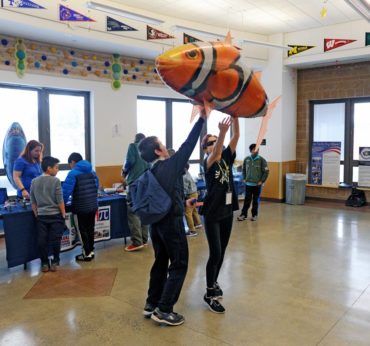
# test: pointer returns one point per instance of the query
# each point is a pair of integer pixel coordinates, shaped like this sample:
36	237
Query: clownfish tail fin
265	121
228	38
196	110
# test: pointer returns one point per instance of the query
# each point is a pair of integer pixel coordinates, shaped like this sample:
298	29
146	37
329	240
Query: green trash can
295	188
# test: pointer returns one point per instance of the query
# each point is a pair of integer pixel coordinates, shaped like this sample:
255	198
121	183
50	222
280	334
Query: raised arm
235	136
217	149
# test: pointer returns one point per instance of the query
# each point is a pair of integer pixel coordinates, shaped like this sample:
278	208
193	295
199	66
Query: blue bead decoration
88	68
4	42
37	64
44	57
7	62
107	64
65	71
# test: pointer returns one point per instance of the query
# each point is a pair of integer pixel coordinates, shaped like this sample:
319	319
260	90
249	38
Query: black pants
86	226
218	235
49	234
170	265
251	193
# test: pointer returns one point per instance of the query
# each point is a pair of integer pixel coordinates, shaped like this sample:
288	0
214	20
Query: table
21	233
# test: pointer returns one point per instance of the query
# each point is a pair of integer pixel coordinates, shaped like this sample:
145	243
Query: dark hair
74	157
26	153
139	137
205	141
252	147
48	161
147	148
187	166
171	152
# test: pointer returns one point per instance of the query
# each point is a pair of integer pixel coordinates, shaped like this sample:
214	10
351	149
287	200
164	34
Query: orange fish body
213	76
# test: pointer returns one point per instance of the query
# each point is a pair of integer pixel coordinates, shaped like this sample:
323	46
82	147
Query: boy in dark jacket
168	237
255	173
82	184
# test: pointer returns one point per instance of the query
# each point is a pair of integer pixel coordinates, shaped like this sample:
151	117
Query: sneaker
254	218
145	244
191	233
133	247
92	254
241	217
45	268
148	310
214	305
199	226
53	266
218	291
83	258
169	318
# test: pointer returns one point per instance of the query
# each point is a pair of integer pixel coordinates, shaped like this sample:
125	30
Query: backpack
356	199
149	200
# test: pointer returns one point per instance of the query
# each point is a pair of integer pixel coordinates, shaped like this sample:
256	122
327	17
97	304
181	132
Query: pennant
190	39
20	4
115	25
367	39
68	15
154	34
332	43
296	49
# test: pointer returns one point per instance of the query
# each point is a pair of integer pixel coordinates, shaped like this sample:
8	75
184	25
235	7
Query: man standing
255	173
134	167
168	237
82	184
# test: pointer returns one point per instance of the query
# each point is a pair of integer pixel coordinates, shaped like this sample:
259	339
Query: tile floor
300	275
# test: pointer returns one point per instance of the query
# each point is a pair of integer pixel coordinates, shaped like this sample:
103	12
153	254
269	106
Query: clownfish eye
192	54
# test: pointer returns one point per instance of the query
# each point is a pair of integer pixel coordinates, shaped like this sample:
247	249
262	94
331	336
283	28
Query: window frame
348	162
43	94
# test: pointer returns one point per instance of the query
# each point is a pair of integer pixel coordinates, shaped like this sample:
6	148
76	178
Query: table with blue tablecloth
21	233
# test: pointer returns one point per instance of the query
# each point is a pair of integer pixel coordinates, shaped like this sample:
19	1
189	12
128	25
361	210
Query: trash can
295	188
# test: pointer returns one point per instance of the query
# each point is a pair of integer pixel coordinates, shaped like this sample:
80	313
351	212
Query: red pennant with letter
154	34
332	43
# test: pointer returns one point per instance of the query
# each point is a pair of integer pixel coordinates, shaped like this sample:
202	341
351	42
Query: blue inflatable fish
14	143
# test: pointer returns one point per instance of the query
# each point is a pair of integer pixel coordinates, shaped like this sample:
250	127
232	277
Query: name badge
228	198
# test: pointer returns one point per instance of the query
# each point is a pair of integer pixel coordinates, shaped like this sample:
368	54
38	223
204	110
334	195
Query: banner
20	4
190	39
332	43
297	49
325	164
70	237
66	14
154	34
364	167
367	39
115	25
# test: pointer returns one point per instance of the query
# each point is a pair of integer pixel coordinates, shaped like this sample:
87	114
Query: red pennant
332	43
154	34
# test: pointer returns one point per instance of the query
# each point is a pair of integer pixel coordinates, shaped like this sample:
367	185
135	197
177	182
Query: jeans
251	193
49	234
86	228
218	235
171	262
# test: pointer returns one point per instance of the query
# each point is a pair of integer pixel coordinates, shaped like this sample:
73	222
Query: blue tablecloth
21	234
238	185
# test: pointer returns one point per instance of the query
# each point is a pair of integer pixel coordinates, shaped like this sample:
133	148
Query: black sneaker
83	258
169	318
218	291
148	310
214	305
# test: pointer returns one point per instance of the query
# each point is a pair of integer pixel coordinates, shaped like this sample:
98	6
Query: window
169	120
346	121
59	119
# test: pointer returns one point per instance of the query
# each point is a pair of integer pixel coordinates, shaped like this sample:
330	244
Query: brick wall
331	82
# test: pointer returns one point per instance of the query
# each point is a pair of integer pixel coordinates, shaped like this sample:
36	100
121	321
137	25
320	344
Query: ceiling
264	17
256	16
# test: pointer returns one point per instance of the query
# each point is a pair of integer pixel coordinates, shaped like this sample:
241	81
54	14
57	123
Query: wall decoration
66	14
367	39
116	72
154	34
115	25
20	4
296	49
190	39
333	43
20	56
60	61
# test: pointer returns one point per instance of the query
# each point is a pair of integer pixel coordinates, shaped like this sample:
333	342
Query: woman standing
27	167
219	204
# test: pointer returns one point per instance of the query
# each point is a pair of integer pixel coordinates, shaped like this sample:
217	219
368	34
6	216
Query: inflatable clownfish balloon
214	77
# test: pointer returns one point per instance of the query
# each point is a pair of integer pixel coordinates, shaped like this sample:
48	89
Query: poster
70	236
364	167
325	164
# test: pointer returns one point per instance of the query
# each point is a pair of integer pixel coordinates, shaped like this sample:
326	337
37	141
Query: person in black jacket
82	185
168	237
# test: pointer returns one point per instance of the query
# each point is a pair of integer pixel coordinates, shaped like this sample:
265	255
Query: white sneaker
254	218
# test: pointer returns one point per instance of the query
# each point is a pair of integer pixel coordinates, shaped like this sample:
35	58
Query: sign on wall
364	167
325	164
